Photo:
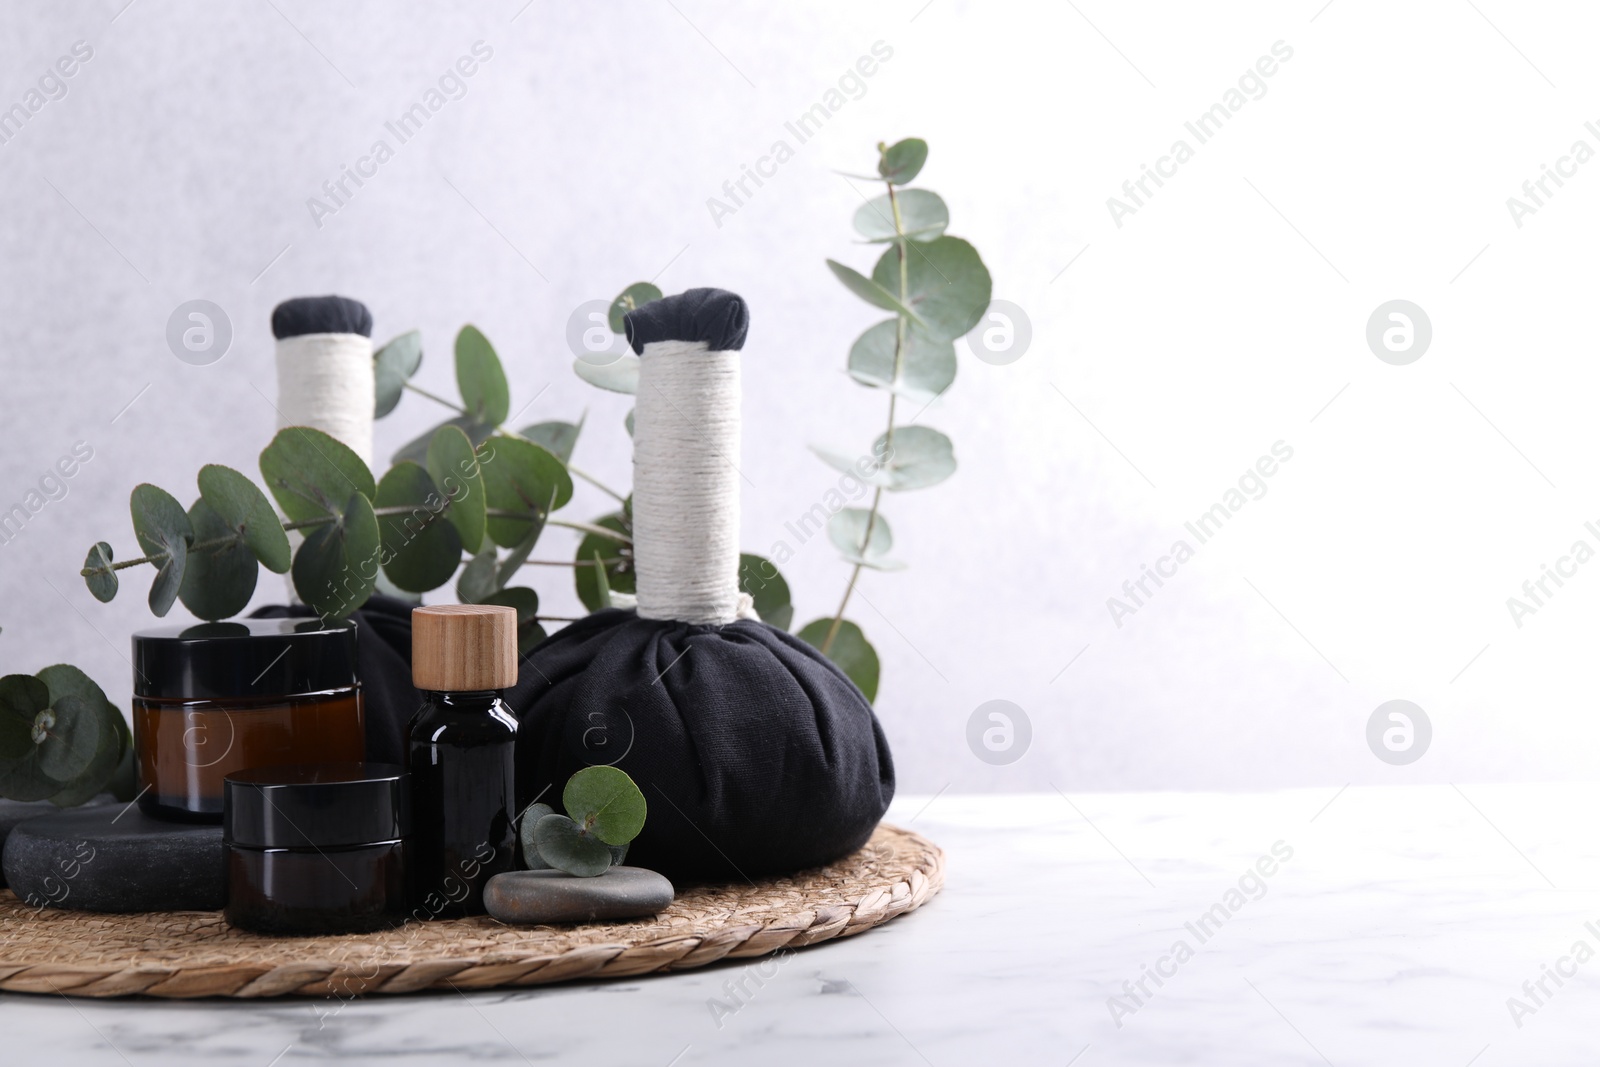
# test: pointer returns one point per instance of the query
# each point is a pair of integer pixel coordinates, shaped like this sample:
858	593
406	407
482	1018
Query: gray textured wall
1169	352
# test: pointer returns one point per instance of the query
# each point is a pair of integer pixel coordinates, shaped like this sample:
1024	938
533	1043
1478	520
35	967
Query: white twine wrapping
686	484
325	382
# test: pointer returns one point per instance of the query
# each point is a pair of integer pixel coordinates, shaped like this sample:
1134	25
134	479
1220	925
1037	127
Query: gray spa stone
551	896
13	812
115	858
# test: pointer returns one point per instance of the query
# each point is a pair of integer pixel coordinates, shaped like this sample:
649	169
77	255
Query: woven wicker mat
196	954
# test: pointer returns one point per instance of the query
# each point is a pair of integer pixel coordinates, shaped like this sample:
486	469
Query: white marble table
1395	934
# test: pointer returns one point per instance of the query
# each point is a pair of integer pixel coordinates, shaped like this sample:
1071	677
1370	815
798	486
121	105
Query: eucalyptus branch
888	437
579	471
591	528
435	397
546	562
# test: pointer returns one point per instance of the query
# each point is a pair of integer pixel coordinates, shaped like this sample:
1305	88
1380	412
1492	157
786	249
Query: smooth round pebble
551	896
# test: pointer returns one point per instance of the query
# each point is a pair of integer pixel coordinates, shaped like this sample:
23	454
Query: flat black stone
13	812
550	896
115	858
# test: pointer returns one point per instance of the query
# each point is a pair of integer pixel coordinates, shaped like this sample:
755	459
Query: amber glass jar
316	849
220	697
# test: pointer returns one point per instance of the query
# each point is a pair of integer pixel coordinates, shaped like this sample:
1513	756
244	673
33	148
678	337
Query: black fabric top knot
320	314
715	316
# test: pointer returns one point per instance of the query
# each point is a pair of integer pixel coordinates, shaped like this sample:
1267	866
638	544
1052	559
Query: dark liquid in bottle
461	754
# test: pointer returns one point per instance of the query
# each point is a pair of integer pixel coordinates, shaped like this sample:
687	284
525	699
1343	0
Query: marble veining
1400	928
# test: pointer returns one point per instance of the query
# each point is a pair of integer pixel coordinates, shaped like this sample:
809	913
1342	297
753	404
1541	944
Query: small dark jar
317	849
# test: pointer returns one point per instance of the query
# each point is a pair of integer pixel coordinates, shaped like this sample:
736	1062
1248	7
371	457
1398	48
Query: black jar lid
244	658
324	805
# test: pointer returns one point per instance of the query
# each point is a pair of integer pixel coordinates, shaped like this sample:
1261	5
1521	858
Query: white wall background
1227	314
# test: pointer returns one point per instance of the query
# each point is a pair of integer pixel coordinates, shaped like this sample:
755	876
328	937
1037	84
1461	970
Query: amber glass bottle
461	747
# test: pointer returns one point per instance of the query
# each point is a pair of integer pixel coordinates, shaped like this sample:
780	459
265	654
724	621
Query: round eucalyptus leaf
218	581
918	457
421	550
520	597
759	577
100	578
627	422
22	698
866	468
416	450
617	560
851	652
336	569
97	777
923	216
484	392
927	366
636	295
522	477
620	375
871	291
392	366
948	287
902	162
525	823
246	509
169	579
559	437
65	681
605	801
23	780
565	846
601	584
847	529
23	701
311	474
453	465
159	521
478	577
66	736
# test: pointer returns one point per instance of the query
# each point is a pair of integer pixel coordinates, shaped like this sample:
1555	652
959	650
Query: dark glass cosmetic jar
219	697
317	849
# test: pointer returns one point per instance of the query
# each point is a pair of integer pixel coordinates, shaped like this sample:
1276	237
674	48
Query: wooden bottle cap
464	647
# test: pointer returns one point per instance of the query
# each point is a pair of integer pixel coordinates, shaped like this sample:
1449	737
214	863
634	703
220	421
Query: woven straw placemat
196	954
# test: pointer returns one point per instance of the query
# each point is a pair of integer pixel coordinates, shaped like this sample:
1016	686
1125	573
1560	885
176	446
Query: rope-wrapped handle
325	375
686	455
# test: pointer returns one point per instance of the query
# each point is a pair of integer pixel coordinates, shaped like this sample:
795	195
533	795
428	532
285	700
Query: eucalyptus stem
888	436
89	572
435	397
579	471
395	509
546	562
591	528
